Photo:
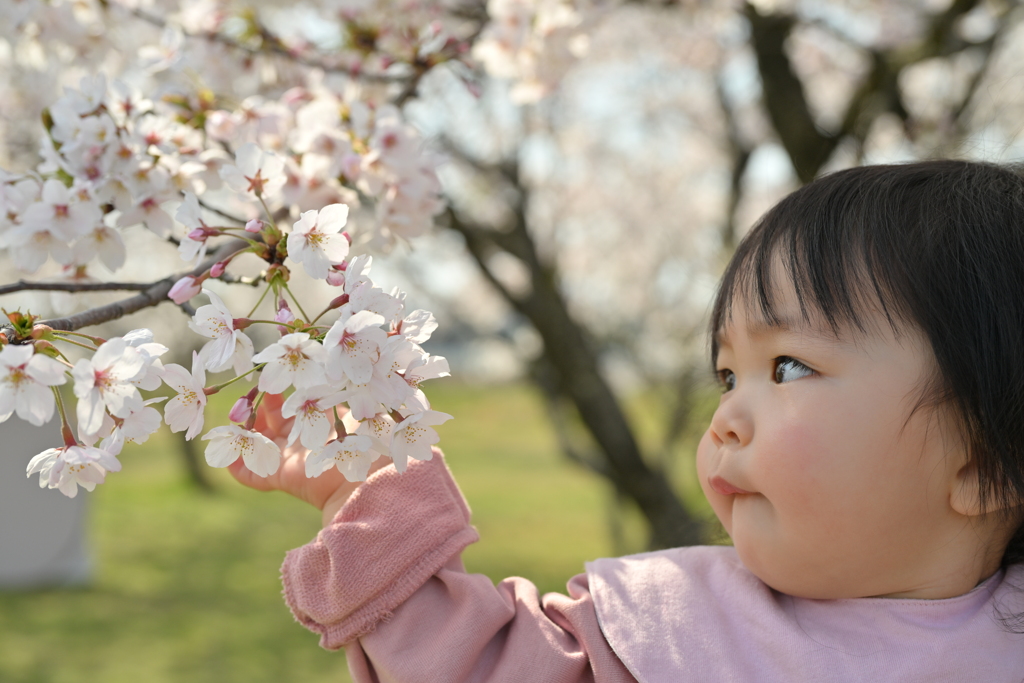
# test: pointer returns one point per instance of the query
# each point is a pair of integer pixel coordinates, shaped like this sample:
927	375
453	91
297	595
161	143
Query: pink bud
199	235
241	411
218	269
184	289
336	277
284	315
254	226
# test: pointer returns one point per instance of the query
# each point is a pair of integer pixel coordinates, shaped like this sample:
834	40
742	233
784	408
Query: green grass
187	588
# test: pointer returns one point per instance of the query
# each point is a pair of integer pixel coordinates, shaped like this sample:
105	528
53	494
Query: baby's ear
965	498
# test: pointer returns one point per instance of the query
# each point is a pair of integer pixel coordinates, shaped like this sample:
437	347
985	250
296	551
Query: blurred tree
879	106
605	157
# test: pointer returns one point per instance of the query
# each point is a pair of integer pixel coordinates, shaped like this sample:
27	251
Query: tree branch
809	147
153	295
23	286
269	44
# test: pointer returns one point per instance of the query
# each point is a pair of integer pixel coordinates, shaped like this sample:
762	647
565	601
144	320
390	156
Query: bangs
832	242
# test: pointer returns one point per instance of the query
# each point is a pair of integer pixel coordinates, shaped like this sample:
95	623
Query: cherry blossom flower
316	240
102	241
229	442
417	326
30	247
353	345
256	171
69	467
25	381
312	426
413	437
140	423
424	368
103	382
60	212
364	296
150	212
351	455
229	346
185	411
379	429
148	378
292	360
368	398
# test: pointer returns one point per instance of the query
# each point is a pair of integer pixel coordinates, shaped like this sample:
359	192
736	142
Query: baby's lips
722	486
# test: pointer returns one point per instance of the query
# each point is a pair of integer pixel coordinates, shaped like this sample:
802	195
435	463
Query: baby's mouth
721	486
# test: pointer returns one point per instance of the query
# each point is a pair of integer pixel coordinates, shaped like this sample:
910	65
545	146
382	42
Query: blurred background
596	185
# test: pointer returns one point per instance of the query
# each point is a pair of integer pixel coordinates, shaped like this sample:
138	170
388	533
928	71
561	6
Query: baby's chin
785	571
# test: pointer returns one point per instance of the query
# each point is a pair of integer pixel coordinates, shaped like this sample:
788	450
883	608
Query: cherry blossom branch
270	44
155	294
25	286
222	214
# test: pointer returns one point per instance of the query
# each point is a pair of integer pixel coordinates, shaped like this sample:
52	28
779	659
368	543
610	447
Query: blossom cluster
365	369
533	43
338	150
110	409
112	161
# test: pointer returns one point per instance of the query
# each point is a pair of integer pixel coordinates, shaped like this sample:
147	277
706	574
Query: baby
867	459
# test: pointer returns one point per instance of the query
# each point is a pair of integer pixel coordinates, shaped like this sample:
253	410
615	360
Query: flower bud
198	235
46	348
254	226
184	289
42	332
338	302
336	276
284	315
218	268
242	409
277	272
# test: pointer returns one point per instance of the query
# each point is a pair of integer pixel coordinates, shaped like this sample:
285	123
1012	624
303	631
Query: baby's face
813	462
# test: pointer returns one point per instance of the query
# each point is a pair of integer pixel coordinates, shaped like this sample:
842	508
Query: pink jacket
385	581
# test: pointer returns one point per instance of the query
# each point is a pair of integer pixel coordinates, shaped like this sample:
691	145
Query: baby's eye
727	378
787	369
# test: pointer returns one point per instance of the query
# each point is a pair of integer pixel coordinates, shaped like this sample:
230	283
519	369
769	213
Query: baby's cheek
792	467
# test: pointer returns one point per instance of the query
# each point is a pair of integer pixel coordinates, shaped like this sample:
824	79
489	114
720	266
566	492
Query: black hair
938	245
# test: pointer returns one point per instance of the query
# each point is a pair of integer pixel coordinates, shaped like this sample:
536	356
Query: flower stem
294	299
95	340
217	387
258	302
65	427
270	216
251	422
74	343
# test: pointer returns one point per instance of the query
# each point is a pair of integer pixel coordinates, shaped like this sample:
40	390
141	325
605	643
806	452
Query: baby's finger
246	477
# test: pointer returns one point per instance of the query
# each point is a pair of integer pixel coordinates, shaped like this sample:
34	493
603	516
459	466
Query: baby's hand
328	492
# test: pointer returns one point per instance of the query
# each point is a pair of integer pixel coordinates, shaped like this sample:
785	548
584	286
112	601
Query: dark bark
808	146
569	352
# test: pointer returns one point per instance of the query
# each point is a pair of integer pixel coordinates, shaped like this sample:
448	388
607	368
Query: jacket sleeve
385	581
